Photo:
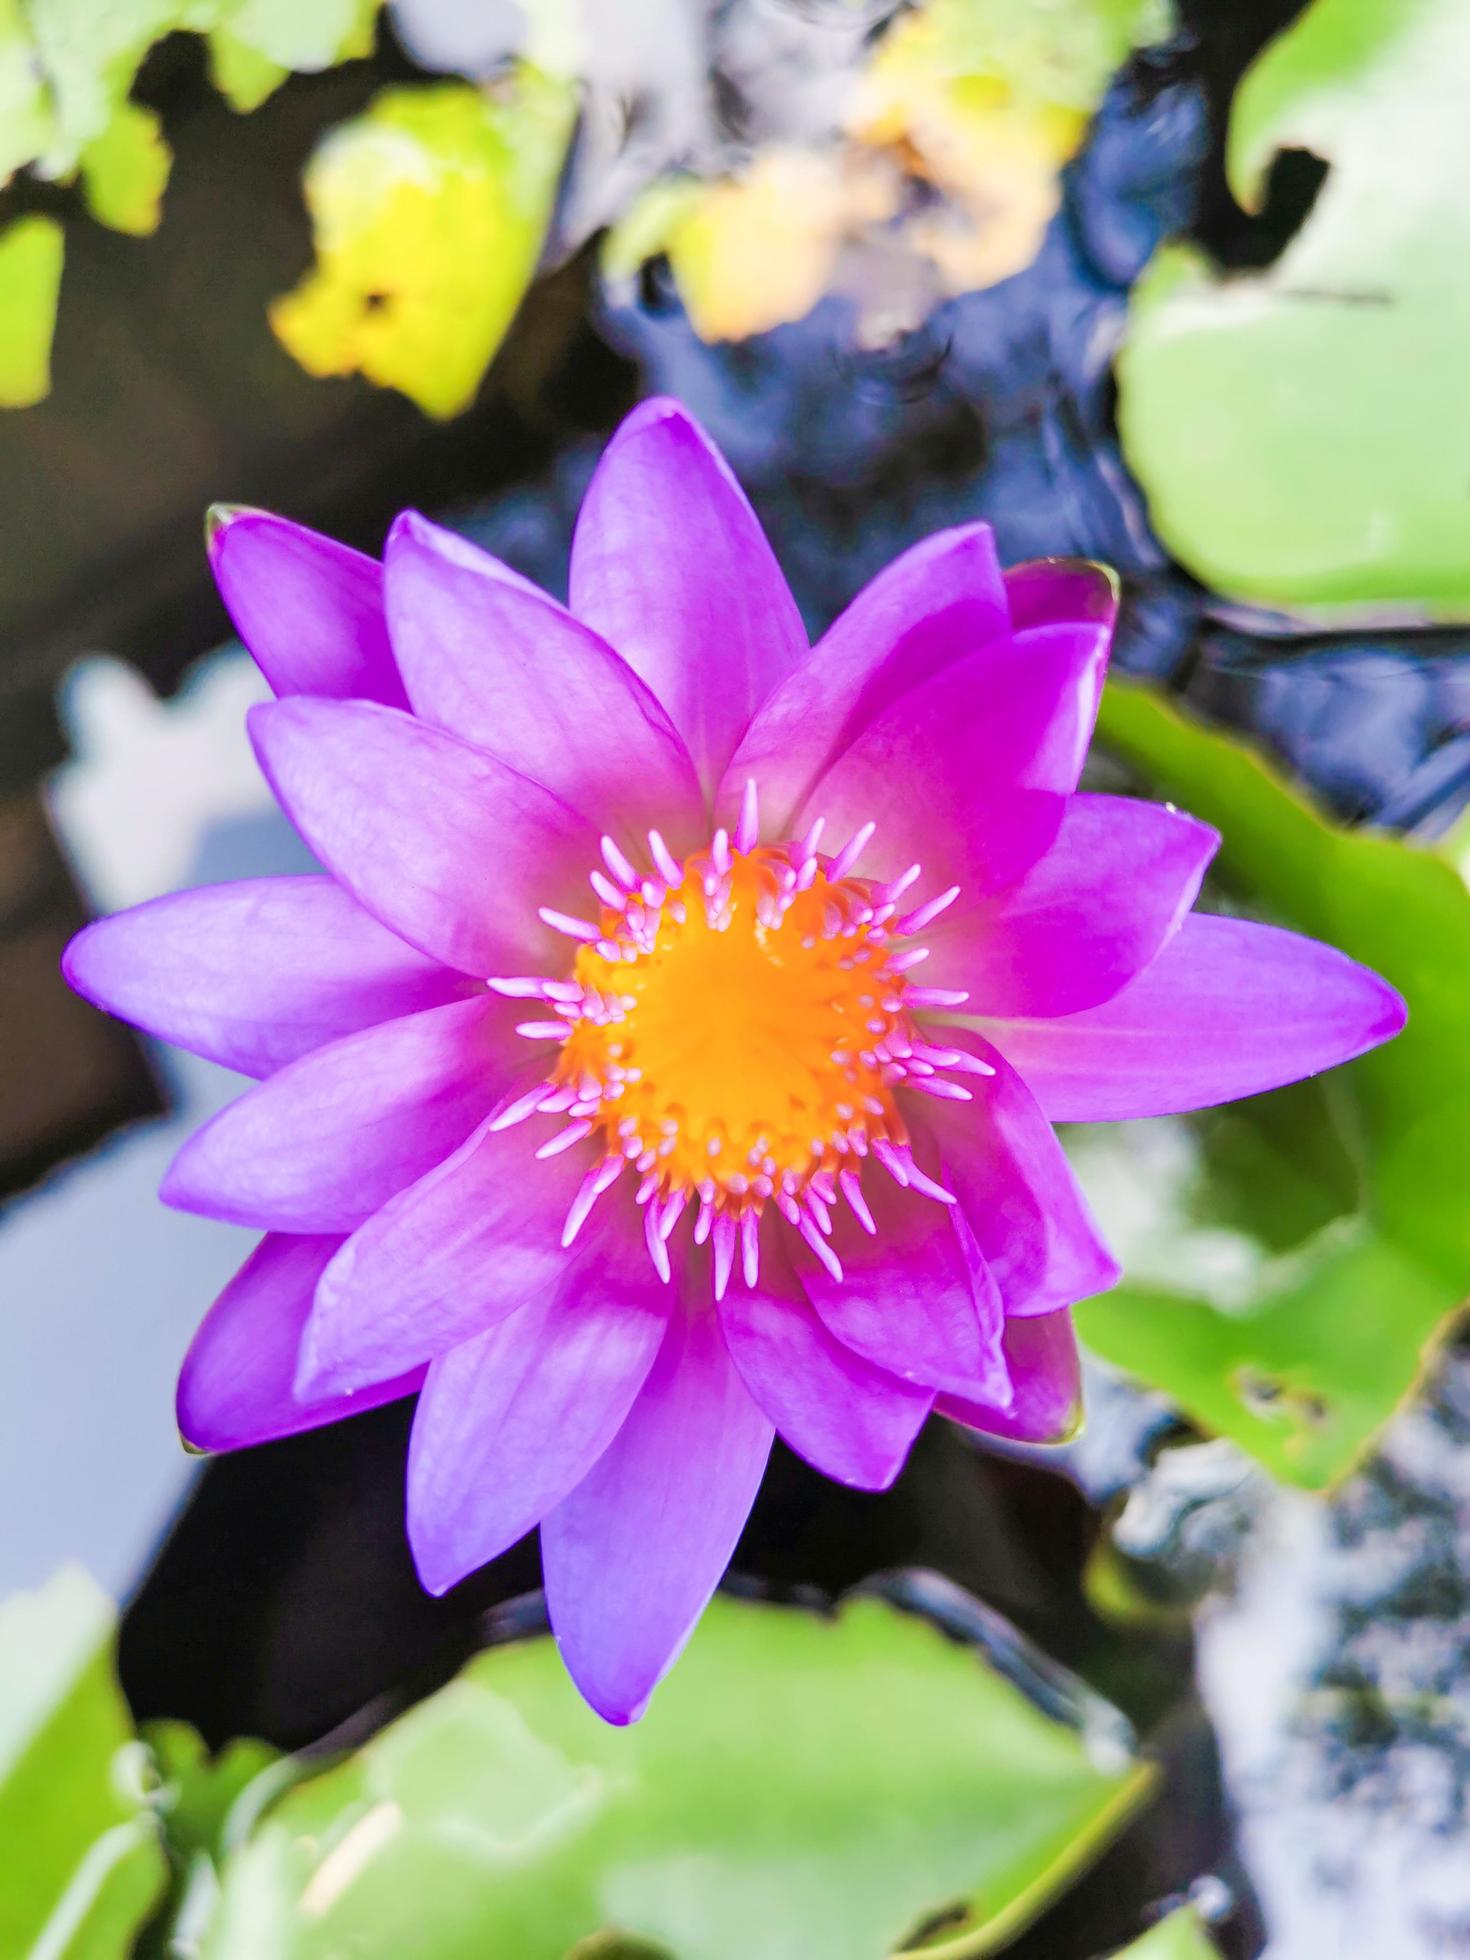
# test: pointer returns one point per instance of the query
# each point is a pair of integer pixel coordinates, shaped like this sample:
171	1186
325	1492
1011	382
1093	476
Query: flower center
743	1030
735	1028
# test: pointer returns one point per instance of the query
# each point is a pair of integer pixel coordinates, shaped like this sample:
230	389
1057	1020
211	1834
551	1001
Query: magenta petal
849	1419
512	1420
235	1388
910	1299
320	1145
671	567
1054	591
1000	1157
967	773
473	1240
1086	919
940	601
257	973
1228	1009
940	770
631	1557
488	656
308	608
1046	1383
450	848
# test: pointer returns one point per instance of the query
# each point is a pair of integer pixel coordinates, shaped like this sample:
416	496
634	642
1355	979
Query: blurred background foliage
1174	286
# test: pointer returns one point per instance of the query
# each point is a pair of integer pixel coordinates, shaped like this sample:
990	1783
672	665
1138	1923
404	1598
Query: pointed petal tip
1046	591
616	1710
77	962
652	409
219	517
1393	1011
435	1576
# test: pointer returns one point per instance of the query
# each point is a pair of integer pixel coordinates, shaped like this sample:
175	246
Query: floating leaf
1322	1231
83	1864
1179	1937
1278	465
31	251
758	249
125	169
255	44
89	52
430	211
983	100
27	124
801	1787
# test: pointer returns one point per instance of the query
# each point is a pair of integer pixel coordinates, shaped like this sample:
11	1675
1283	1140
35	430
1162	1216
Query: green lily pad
430	211
1179	1937
1321	1232
1303	434
802	1786
31	252
125	170
83	1862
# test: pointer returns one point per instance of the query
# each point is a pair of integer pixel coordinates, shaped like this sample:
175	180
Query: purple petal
670	566
1000	1157
1086	919
254	974
308	608
937	603
1228	1009
489	657
474	1239
450	848
910	1299
631	1557
512	1420
966	773
850	1420
319	1146
1052	591
235	1386
1016	715
1046	1383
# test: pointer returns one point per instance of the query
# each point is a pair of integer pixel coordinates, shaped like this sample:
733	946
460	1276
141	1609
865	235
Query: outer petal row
632	1555
257	973
452	849
1086	918
489	657
308	608
235	1387
671	567
328	1140
1229	1008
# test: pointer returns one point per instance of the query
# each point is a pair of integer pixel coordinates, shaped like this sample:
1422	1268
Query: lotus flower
668	1056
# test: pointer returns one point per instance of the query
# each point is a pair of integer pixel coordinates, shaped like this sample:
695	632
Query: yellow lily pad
429	211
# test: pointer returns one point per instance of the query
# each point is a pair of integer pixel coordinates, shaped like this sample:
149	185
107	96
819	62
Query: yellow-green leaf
1253	406
1179	1937
82	1859
803	1788
429	212
31	252
125	169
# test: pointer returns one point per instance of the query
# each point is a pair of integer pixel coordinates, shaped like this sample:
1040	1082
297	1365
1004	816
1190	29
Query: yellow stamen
741	1055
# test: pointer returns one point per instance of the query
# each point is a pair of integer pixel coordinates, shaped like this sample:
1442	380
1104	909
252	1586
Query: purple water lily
669	1055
